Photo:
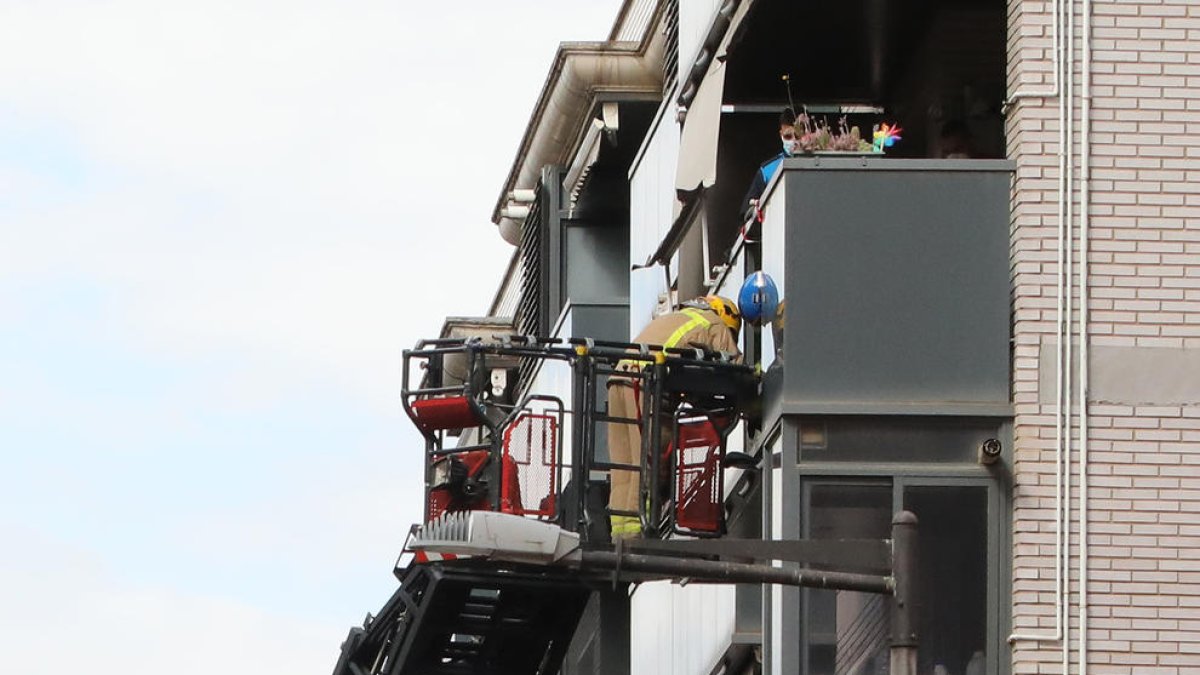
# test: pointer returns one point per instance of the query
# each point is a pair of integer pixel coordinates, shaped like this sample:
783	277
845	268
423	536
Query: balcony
894	276
883	383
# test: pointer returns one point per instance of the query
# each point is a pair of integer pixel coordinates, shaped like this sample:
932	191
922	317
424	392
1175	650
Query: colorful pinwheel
886	136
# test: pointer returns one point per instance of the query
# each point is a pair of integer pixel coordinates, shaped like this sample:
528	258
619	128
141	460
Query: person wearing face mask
787	138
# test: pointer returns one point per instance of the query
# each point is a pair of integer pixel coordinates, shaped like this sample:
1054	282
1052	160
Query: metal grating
531	441
528	320
671	48
529	307
863	636
698	498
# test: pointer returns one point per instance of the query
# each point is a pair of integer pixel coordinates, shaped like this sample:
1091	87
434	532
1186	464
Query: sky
220	224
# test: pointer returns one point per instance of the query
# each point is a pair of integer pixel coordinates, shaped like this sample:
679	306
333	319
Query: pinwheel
886	136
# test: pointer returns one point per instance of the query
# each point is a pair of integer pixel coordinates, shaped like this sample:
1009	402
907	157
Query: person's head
787	130
724	308
955	140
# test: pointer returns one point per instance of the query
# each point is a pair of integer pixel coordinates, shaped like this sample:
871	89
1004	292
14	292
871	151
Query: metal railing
678	389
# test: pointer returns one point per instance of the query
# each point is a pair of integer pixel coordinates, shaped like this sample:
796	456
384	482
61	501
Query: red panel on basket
698	498
510	486
694	433
699	433
452	412
442	501
531	459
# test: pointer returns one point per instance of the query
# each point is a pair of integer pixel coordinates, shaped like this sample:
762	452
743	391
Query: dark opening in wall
924	62
935	67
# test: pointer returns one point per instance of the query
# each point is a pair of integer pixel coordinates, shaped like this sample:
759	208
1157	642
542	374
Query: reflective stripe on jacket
686	329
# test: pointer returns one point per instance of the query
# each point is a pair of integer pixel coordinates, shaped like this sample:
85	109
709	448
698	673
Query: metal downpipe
1062	354
1084	224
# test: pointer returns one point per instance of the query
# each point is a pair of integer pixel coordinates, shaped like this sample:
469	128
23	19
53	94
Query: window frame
900	478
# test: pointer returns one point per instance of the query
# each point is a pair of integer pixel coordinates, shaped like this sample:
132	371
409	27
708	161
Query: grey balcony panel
597	268
897	286
600	320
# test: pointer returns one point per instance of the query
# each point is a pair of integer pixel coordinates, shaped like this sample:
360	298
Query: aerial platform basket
492	446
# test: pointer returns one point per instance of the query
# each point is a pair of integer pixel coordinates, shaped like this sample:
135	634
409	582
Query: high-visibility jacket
689	328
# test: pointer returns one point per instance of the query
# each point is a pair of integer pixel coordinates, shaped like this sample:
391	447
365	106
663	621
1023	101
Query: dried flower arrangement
816	135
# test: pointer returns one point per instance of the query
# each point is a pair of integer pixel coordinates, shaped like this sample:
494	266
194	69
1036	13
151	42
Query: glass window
953	573
846	632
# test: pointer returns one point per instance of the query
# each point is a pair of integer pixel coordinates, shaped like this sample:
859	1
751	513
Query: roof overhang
583	73
476	326
486	329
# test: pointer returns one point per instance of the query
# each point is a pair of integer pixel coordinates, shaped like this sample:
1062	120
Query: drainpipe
1062	355
1069	106
1084	224
1053	92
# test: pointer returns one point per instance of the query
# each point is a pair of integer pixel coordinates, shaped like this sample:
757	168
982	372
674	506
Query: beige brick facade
1144	298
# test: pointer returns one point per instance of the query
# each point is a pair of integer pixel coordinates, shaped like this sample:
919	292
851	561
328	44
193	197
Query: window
530	308
936	68
953	581
847	632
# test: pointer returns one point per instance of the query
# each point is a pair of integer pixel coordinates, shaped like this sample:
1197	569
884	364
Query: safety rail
509	455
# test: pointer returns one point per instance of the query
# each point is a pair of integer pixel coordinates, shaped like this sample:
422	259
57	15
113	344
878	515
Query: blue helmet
759	299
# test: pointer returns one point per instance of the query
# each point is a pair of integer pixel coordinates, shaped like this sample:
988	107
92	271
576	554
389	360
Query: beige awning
702	124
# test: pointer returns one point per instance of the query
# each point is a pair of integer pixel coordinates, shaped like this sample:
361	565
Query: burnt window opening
935	67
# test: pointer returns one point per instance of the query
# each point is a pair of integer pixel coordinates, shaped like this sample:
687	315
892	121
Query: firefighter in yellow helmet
711	323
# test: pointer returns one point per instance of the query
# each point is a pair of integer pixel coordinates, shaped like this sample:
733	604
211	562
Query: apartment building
1002	336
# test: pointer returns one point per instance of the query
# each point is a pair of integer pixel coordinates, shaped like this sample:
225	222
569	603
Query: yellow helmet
722	307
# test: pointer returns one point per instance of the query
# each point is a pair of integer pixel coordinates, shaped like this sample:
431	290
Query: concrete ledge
1129	375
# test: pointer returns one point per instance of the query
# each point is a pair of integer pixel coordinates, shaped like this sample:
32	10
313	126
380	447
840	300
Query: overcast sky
220	222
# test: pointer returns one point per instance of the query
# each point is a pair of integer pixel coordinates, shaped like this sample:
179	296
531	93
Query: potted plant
817	136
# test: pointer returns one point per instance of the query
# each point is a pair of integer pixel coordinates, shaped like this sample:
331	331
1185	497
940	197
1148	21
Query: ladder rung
610	418
608	466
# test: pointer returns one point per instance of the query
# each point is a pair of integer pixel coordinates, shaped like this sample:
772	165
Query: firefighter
711	323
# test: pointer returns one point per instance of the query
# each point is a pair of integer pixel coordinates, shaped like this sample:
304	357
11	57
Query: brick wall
1144	590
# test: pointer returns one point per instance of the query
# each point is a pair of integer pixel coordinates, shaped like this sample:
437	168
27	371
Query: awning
688	204
702	95
590	150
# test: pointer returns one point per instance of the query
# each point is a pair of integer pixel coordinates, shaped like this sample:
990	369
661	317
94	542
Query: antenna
787	84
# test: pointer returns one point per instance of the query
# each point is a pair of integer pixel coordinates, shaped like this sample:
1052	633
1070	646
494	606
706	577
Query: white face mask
789	145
